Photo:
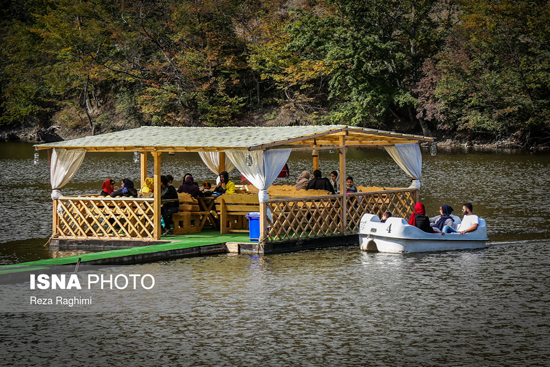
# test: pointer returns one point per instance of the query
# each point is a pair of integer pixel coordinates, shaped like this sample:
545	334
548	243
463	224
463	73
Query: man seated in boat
320	183
470	221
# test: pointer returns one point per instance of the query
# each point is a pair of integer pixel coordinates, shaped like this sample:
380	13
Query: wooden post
54	219
221	163
157	230
263	227
143	168
342	156
315	155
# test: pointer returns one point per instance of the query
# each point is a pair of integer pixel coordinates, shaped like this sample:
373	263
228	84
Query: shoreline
36	135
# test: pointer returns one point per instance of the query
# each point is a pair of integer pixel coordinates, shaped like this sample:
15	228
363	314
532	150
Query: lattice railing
307	217
400	202
104	218
321	216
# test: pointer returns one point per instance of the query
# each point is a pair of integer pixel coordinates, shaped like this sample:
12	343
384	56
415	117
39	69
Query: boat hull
380	244
397	236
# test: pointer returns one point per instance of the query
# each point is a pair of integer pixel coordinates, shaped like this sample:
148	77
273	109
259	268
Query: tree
192	67
300	78
493	76
379	48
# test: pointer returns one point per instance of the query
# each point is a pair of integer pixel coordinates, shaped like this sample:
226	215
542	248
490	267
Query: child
206	187
385	216
350	186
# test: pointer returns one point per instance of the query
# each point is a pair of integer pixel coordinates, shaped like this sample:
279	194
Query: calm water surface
336	306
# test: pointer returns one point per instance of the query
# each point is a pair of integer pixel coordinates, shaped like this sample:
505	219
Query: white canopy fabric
260	167
212	161
64	165
409	158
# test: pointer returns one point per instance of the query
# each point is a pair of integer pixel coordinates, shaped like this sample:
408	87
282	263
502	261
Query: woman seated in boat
420	219
444	219
127	189
108	187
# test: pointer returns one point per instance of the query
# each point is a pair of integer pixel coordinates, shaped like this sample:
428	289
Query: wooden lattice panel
399	202
308	217
105	218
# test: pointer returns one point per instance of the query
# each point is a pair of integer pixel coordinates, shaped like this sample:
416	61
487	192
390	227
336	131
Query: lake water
336	306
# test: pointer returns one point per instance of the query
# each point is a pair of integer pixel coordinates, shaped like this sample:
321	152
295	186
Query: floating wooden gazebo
257	152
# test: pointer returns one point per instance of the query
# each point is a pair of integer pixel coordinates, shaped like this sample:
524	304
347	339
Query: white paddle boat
397	236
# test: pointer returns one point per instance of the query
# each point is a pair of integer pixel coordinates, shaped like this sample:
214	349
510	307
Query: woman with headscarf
180	188
108	187
420	219
148	186
127	189
303	180
190	187
444	219
334	181
225	186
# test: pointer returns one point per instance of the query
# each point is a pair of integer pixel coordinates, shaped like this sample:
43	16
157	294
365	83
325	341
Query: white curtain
212	161
409	158
260	167
65	163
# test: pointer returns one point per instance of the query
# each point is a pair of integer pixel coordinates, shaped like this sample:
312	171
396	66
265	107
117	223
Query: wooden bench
190	218
232	208
369	188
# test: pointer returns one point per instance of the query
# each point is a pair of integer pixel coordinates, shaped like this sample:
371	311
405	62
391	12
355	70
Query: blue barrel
254	225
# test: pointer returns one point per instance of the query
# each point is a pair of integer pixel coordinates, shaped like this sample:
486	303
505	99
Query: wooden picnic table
206	204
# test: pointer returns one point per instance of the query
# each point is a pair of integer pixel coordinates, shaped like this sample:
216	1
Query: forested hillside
468	69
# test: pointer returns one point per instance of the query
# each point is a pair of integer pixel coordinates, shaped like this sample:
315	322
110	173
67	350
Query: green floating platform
194	244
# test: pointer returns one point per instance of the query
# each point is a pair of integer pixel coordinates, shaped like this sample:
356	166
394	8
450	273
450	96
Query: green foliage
376	49
178	55
493	76
481	67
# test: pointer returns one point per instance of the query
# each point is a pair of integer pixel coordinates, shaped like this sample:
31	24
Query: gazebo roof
196	139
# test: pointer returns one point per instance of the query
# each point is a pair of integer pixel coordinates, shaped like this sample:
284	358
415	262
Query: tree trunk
87	108
425	128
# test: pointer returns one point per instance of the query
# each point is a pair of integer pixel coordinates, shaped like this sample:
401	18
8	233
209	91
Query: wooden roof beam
295	140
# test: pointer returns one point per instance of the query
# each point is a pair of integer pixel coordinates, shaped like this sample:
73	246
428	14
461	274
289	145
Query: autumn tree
181	62
493	77
297	76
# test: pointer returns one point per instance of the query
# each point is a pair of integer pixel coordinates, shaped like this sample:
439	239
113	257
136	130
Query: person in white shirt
470	221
